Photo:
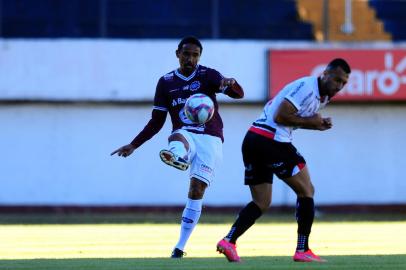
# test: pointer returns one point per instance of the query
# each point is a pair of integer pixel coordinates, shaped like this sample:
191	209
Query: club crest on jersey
194	86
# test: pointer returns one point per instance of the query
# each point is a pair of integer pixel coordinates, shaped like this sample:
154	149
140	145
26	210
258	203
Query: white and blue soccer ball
199	108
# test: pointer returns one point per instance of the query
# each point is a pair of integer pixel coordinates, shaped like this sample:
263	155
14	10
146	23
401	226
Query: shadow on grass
359	262
174	218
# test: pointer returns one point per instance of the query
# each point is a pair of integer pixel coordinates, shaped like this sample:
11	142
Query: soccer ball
199	108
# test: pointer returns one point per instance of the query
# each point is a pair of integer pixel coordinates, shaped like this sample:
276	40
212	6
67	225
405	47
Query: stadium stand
158	18
392	13
50	19
233	19
263	19
366	26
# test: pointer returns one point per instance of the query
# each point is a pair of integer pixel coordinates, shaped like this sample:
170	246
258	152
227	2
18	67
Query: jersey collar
184	77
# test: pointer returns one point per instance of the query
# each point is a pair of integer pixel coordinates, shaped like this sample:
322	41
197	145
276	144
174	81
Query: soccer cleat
307	256
229	250
177	253
173	160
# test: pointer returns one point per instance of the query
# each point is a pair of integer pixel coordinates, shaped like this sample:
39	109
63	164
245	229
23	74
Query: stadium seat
392	13
231	19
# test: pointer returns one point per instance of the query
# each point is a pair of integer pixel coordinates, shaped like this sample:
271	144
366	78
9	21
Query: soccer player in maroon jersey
267	150
198	146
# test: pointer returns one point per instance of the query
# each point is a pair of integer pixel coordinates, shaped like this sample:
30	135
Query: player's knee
263	205
306	191
180	138
196	192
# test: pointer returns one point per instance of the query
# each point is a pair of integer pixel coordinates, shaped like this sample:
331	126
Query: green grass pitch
346	245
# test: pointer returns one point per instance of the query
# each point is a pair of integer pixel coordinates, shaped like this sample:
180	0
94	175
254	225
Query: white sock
178	148
190	218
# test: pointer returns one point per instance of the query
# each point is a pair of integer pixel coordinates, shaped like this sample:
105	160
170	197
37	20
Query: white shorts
205	154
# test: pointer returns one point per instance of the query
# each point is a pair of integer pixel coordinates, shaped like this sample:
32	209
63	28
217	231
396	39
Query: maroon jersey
173	89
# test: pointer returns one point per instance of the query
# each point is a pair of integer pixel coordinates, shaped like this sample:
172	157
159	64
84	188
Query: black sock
302	242
246	218
304	218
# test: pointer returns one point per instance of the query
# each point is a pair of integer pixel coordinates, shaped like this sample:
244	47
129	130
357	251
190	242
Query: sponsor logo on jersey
297	89
194	86
178	101
305	99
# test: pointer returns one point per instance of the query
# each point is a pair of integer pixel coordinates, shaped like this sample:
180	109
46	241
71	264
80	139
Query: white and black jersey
303	94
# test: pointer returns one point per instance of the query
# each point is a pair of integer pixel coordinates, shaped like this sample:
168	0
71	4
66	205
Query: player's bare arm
286	115
153	127
232	88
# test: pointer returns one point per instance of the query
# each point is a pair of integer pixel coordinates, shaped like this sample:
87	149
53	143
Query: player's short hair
339	62
190	40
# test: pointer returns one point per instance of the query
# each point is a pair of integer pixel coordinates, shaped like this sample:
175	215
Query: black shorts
264	157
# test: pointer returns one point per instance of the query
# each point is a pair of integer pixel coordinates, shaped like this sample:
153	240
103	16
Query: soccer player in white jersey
267	150
190	145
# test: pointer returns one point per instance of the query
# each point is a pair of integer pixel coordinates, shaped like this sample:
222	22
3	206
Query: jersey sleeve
215	77
160	99
298	94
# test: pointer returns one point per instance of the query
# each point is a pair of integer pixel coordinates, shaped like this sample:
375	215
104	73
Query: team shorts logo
278	164
206	168
194	86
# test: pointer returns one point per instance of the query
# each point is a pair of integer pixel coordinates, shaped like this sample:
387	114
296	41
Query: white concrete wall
59	154
128	70
116	69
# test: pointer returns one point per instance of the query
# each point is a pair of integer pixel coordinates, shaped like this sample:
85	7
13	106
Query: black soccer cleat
177	254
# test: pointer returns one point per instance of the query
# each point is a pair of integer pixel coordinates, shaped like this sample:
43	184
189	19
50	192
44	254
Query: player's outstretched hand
124	151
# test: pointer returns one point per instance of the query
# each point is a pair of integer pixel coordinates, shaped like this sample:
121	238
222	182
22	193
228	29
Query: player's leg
261	200
205	156
259	178
178	153
191	215
303	187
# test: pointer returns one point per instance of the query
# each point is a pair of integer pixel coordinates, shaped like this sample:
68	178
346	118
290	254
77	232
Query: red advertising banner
377	75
